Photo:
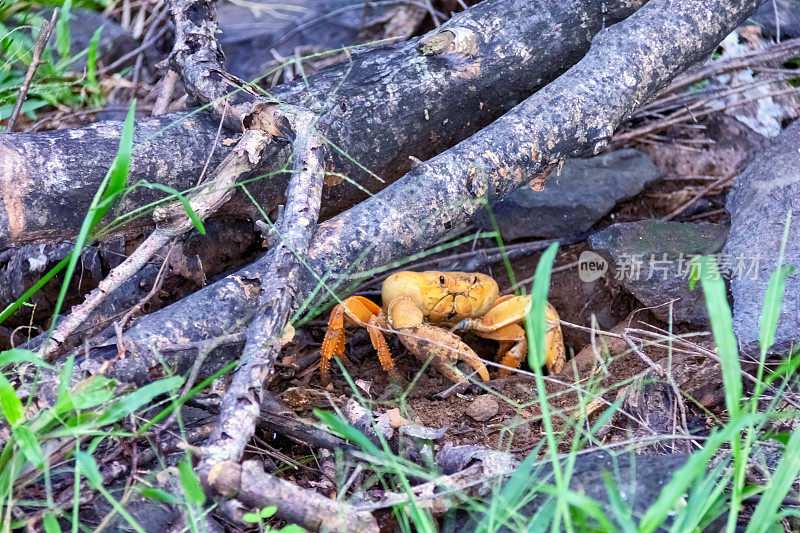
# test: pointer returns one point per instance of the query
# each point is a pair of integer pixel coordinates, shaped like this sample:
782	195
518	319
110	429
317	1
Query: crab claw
443	349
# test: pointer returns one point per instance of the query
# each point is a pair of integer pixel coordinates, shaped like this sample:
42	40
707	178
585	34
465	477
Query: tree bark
380	107
48	180
627	64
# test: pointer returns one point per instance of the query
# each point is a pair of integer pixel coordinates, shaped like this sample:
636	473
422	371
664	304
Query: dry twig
38	48
241	405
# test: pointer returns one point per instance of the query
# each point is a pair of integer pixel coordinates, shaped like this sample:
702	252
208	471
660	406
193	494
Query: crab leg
353	310
554	344
502	323
513	346
375	328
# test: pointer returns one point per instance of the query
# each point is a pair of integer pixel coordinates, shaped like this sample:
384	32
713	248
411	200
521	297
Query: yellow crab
416	303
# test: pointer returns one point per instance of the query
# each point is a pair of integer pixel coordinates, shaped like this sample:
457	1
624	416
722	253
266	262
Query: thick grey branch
380	106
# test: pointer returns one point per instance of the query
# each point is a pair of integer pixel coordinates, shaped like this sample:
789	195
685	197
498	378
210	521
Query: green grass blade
705	502
183	399
12	308
117	178
196	222
543	518
86	396
695	467
159	495
191	484
514	489
138	398
50	523
17	355
767	509
10	404
584	504
29	445
91	57
507	500
622	512
719	313
112	185
64	398
541	286
90	470
346	431
535	327
500	244
771	310
62	30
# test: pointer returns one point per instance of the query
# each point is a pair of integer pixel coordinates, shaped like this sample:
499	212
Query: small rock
249	31
761	198
114	41
452	459
651	259
574	200
483	408
421	432
395	419
788	18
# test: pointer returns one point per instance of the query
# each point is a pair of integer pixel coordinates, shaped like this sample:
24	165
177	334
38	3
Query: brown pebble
395	420
483	408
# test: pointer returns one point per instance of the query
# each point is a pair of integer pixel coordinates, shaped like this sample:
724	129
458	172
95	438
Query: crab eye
474	280
441	280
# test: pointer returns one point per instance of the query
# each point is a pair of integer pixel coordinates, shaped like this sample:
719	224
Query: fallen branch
275	416
196	55
195	259
209	197
241	404
48	180
409	104
315	512
578	112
